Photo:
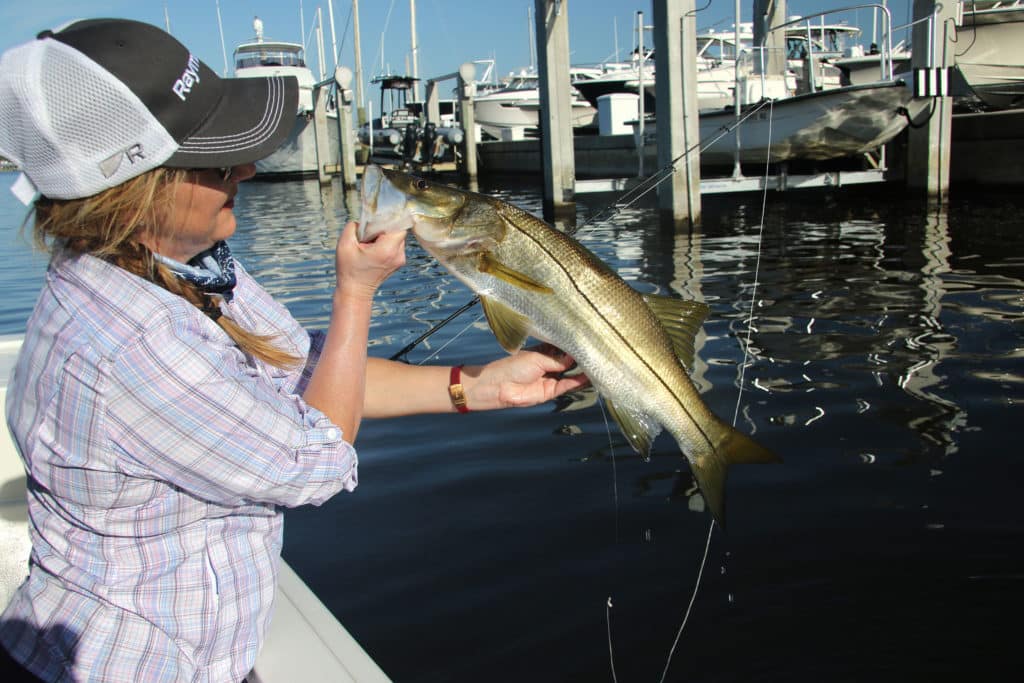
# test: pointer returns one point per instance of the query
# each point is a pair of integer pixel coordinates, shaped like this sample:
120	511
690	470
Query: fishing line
452	340
608	621
611	452
644	188
739	395
757	273
404	351
615	495
651	183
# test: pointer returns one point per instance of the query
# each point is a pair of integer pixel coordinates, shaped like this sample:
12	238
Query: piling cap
97	102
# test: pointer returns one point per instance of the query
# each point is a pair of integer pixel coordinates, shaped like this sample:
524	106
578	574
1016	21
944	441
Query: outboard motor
428	140
409	143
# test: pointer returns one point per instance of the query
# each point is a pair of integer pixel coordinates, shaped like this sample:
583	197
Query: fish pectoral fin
682	320
492	266
510	327
639	429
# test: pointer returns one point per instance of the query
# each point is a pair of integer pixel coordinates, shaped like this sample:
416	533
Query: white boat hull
297	156
993	60
829	124
495	115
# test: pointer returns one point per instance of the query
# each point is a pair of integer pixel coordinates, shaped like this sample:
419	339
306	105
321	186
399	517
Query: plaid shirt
158	456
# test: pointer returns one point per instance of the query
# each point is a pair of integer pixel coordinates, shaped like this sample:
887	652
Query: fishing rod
400	355
629	198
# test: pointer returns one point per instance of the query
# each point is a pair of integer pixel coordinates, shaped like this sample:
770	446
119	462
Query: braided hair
107	225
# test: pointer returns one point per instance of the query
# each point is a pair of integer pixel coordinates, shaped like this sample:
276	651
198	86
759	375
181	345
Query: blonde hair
107	226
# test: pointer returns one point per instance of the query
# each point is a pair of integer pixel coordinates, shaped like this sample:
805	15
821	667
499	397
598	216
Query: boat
770	121
839	122
812	125
512	111
830	126
402	132
990	50
297	156
716	64
305	642
859	67
989	55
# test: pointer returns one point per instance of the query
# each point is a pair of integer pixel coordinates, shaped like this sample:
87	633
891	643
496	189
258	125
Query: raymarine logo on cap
189	77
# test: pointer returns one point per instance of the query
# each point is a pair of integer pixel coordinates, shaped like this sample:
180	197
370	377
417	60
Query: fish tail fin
710	467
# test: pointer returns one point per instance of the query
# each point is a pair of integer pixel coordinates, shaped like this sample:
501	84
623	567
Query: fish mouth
383	206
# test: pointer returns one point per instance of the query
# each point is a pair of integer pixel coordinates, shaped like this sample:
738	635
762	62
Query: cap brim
253	118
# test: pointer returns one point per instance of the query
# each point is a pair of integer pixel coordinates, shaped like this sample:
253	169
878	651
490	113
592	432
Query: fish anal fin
510	327
492	266
639	429
682	320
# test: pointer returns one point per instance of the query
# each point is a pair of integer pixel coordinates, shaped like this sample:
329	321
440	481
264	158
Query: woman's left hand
525	378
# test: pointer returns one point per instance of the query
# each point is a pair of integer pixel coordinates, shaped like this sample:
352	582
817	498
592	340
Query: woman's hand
363	266
337	386
525	378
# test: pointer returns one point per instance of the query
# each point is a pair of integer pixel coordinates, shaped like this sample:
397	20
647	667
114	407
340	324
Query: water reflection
826	320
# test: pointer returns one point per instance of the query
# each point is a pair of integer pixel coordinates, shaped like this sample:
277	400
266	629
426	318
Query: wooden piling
552	30
467	73
929	142
675	34
346	136
770	43
323	145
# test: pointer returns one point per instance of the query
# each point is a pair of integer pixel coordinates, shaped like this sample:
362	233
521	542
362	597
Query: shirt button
332	433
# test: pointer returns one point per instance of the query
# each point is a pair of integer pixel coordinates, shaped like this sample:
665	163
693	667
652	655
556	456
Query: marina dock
916	127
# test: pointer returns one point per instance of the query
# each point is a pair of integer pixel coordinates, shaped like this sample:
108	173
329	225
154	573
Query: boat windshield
523	82
717	48
269	58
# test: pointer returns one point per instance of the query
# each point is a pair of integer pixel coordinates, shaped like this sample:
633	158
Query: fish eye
421	184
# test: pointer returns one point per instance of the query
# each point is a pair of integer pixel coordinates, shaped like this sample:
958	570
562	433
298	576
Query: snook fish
534	280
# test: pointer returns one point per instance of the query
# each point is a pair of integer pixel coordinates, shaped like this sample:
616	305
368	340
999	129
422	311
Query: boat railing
984	5
885	53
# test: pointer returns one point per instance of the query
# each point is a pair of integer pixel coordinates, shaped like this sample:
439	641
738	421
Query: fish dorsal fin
511	328
492	266
639	429
681	319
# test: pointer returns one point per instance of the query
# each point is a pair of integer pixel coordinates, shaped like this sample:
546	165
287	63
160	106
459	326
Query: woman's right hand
363	266
338	384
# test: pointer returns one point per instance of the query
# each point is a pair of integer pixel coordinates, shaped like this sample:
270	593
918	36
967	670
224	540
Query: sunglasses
223	173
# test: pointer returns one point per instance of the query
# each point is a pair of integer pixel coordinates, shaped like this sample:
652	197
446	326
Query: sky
449	32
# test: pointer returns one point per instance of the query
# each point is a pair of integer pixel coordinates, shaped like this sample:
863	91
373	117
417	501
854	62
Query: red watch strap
455	389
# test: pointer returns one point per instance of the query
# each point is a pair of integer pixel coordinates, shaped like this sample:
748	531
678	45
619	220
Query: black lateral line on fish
625	341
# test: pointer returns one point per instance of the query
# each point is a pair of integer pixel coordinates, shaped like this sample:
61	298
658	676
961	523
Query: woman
165	406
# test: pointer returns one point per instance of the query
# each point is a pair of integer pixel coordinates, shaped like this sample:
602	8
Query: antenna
533	45
223	50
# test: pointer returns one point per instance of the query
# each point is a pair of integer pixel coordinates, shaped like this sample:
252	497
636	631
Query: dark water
883	363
